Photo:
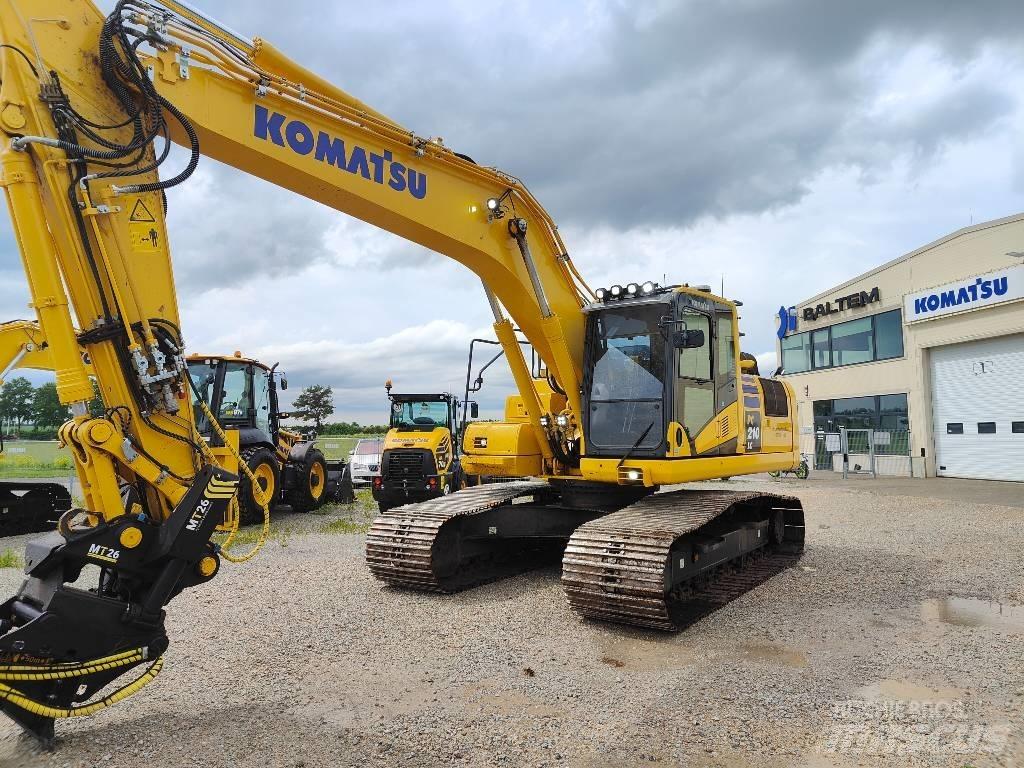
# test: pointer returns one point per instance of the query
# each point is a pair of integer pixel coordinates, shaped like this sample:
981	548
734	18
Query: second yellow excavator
644	384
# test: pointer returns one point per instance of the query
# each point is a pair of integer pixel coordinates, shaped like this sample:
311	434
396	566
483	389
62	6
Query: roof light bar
631	291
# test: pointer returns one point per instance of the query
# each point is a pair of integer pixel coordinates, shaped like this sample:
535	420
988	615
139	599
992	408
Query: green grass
42	458
336	447
352	518
346	526
11	559
34	458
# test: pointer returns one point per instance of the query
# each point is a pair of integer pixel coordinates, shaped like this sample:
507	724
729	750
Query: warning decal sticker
141	213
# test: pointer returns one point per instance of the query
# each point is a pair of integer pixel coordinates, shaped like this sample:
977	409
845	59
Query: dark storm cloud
231	230
653	115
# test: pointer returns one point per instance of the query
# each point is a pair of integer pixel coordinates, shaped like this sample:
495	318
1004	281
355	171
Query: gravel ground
897	641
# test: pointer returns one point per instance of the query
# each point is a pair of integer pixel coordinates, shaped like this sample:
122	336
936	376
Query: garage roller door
978	408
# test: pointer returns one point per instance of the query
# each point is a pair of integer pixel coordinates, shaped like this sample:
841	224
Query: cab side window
726	347
696	363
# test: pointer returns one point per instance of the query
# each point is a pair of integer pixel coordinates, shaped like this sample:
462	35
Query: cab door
261	402
725	368
694	380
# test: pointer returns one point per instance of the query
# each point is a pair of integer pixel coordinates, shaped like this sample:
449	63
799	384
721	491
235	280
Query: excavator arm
88	107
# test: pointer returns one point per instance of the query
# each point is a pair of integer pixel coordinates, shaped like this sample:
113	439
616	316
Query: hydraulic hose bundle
10	673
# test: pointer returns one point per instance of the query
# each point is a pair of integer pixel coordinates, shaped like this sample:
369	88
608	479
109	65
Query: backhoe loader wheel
310	483
263	463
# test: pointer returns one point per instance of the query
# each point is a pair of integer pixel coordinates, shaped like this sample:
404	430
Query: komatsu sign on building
925	352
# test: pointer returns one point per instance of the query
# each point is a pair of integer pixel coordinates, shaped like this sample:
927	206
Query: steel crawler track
405	548
641	565
31	506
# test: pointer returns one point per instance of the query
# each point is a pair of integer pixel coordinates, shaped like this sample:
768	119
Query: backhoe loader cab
420	458
241	393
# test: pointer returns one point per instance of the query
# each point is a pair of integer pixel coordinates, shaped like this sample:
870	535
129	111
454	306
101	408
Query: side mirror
474	410
688	339
284	382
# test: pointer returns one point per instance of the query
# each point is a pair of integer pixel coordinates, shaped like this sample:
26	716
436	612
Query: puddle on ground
974	612
773	654
904	690
637	653
486	696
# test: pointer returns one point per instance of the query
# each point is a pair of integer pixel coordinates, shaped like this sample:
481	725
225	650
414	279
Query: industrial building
931	343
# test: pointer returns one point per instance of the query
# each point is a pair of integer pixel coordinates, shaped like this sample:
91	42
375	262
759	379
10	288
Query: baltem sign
992	288
853	301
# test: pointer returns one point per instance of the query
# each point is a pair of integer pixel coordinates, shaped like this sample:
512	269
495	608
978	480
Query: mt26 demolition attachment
91	608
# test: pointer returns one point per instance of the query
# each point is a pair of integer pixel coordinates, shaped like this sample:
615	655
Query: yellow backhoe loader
242	393
646	384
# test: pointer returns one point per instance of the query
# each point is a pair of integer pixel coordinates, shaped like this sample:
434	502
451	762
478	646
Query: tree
96	406
314	404
47	409
16	400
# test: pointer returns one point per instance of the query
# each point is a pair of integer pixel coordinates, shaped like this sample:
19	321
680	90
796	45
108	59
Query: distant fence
861	451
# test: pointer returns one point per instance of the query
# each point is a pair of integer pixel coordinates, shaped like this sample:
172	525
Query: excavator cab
664	377
661	366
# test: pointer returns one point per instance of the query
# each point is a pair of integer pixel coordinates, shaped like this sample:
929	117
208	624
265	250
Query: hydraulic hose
63	671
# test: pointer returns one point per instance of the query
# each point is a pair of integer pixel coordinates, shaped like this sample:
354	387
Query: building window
821	354
853	342
870	412
888	335
955	428
1017	427
796	353
892	412
986	427
855	412
864	340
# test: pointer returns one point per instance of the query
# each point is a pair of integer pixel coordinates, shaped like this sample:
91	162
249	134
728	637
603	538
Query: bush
8	461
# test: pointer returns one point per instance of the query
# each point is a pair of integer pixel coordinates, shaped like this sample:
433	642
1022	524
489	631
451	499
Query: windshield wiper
633	447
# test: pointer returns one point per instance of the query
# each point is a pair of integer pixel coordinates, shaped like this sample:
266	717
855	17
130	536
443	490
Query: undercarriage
662	561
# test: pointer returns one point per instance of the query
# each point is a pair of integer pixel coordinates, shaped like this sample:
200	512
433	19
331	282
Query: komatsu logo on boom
299	138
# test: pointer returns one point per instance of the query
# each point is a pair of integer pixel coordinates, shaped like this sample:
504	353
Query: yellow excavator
646	386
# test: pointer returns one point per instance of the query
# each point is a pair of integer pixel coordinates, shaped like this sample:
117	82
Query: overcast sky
779	146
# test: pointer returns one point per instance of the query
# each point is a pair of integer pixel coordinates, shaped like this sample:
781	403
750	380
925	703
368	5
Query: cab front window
419	414
627	378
